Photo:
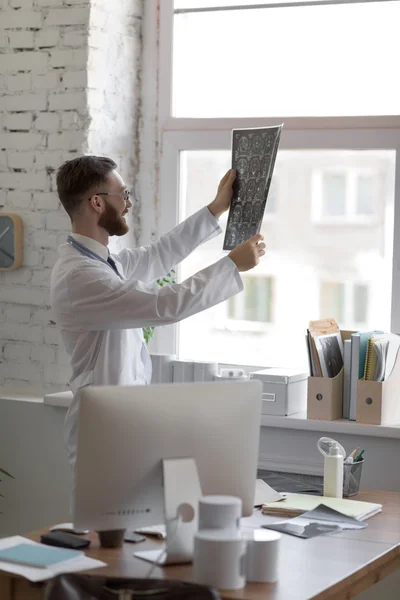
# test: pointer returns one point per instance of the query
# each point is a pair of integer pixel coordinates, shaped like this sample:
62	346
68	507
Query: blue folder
32	555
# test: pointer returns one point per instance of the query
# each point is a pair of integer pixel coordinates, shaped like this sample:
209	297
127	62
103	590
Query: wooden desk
327	568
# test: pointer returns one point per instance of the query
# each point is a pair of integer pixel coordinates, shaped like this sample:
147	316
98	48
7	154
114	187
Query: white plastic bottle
333	473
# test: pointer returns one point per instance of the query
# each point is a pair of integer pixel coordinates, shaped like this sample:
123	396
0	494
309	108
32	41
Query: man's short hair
81	177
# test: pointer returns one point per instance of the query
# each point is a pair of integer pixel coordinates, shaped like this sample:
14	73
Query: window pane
332	301
257	293
360	303
300	255
233	313
251	300
333	195
287	61
367	191
255	304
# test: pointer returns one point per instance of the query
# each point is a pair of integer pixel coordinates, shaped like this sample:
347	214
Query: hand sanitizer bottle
333	473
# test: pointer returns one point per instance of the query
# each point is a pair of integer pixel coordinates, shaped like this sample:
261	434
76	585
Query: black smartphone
64	540
135	538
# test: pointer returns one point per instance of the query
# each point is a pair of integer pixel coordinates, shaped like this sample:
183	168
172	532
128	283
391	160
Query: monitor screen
125	433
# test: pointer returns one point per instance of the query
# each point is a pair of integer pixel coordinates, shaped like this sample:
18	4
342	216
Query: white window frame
164	137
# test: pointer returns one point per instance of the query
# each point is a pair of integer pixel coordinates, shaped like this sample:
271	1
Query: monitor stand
182	493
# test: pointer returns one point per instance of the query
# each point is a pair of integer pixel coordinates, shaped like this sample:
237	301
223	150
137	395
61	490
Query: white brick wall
33	62
115	53
68	85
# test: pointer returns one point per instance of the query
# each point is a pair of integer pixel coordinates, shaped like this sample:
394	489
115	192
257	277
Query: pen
351	457
355	453
359	457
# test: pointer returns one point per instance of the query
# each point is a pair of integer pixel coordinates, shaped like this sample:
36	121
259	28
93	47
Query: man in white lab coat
101	301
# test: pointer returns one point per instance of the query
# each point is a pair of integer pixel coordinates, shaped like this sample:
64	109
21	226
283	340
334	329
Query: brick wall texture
69	84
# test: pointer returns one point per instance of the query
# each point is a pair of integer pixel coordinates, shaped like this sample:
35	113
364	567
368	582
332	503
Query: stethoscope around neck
86	252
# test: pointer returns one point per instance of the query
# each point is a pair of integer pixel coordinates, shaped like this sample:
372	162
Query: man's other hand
247	255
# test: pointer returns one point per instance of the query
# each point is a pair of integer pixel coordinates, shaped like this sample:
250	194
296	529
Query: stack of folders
294	505
368	355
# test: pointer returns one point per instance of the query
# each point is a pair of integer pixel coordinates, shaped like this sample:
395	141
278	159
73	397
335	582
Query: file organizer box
378	403
284	391
325	394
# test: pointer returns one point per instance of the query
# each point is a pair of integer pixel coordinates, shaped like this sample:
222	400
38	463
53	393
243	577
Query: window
360	303
352	193
285	60
334	195
348	303
256	302
367	194
332	301
336	163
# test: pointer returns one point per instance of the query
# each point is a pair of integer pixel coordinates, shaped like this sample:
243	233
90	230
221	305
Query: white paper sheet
67	566
265	493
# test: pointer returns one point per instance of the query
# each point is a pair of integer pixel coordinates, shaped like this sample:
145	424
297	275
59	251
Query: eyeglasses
126	195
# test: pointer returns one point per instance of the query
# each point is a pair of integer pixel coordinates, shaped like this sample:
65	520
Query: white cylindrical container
262	555
220	512
219	559
333	472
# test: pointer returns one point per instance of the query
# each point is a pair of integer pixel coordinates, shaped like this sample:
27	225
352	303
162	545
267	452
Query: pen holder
352	478
325	397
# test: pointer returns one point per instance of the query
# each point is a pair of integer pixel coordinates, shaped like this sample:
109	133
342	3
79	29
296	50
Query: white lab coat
101	315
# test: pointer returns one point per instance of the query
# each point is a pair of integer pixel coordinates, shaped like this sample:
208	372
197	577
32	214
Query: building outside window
347	195
346	302
255	303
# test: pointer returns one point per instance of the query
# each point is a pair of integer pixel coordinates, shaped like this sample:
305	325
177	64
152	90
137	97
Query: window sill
60	399
34	396
299	421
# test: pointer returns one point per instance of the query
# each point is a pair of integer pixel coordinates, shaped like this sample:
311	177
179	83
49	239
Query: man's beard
112	222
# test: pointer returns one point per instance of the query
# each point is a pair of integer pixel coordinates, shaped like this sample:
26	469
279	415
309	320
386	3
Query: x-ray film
253	157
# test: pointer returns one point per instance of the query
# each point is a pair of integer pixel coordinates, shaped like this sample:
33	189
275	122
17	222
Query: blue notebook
32	555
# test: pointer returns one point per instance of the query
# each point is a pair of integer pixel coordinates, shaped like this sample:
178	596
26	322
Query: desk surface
319	568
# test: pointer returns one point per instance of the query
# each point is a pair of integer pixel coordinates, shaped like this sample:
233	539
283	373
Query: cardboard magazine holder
378	402
325	394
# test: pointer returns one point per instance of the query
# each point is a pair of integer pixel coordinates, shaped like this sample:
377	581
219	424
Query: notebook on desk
296	504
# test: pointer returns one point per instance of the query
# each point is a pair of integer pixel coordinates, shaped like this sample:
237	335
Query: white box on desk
284	390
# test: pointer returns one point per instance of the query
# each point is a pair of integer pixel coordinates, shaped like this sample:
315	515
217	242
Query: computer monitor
125	433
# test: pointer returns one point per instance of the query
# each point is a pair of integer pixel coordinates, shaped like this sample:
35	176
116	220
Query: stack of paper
78	562
321	521
297	504
265	493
